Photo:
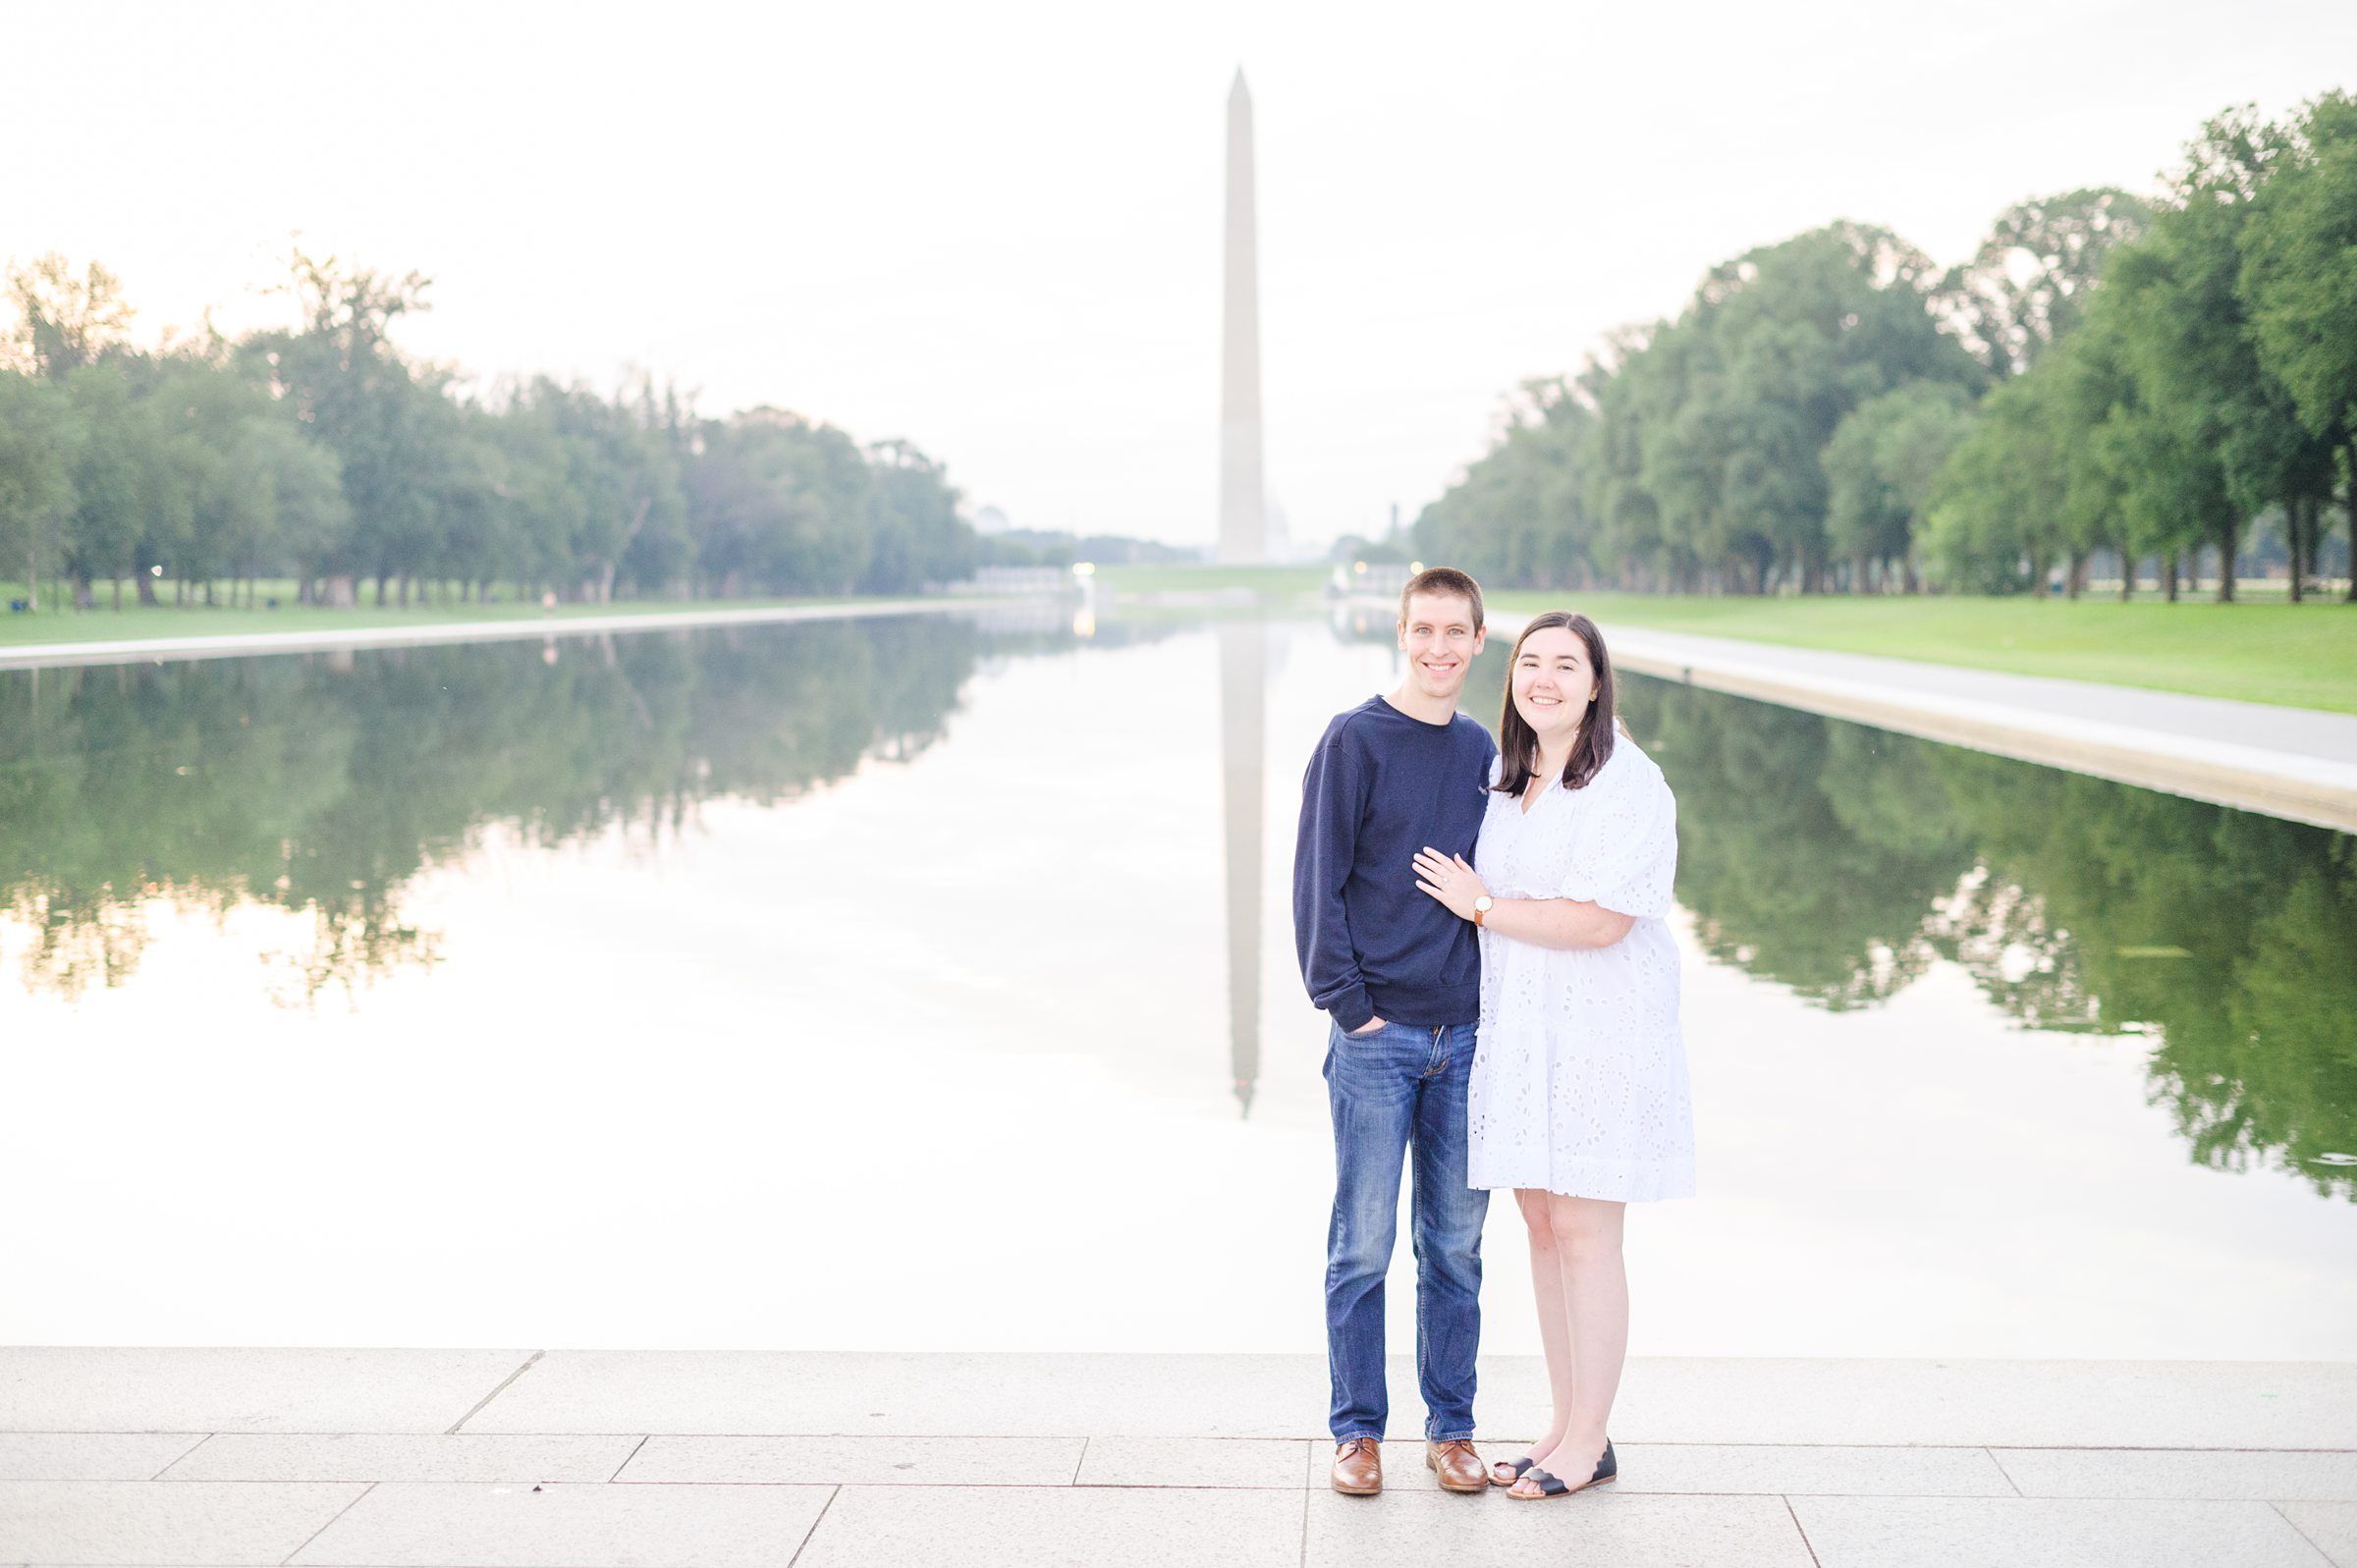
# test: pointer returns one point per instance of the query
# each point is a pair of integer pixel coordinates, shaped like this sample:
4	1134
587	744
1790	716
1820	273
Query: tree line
323	454
2106	375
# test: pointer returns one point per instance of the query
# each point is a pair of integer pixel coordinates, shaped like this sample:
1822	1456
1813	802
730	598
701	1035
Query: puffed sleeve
1625	850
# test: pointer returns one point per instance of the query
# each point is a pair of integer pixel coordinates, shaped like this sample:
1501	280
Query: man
1399	978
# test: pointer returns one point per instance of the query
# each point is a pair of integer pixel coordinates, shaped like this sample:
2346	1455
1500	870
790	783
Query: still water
926	982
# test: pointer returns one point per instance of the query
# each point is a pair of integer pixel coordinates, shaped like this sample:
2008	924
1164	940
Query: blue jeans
1399	1089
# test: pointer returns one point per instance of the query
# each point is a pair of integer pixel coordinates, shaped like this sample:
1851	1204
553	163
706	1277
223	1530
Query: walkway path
433	1458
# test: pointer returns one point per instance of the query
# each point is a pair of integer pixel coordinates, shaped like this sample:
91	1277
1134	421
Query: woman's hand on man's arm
1542	922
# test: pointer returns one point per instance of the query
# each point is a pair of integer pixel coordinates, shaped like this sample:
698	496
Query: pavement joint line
183	1454
814	1524
627	1458
1304	1560
2003	1471
2330	1560
1992	1449
323	1529
1080	1463
529	1361
2102	1449
930	1437
1801	1530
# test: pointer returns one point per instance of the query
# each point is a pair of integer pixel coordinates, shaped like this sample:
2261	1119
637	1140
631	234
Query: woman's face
1552	682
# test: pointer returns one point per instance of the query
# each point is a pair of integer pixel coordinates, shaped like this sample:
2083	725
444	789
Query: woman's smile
1551	665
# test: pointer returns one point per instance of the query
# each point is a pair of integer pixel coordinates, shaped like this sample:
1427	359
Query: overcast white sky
995	229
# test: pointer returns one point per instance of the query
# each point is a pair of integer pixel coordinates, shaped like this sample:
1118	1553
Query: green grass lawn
2302	656
103	625
167	619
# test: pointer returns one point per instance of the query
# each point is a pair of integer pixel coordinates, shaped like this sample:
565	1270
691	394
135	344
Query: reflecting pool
927	981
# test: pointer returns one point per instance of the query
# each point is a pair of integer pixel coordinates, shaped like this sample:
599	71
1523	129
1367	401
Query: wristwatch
1481	906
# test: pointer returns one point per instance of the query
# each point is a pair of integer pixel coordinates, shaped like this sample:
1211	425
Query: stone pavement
649	1458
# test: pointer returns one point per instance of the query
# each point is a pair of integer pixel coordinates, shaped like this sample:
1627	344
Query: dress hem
1599	1197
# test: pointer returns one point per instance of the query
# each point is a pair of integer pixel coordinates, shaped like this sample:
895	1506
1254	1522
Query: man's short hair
1442	580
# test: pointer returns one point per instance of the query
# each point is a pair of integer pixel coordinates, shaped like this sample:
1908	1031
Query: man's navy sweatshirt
1381	787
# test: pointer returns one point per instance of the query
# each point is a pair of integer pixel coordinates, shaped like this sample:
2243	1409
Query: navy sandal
1517	1466
1551	1486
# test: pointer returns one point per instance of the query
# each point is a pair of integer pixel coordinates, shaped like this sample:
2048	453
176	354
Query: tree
1991	520
1521	515
916	536
1695	456
66	322
287	492
1632	392
483	531
1802	333
229	440
38	437
2188	338
352	390
2027	286
1880	467
130	487
2299	274
660	552
779	503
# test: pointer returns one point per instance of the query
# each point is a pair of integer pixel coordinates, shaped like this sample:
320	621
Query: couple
1572	1090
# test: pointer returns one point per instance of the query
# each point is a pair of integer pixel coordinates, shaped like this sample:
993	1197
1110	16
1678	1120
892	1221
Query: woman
1578	1099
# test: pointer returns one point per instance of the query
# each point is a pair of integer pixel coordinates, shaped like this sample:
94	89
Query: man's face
1439	640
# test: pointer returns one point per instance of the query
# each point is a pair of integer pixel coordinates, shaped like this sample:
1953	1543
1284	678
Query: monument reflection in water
1243	778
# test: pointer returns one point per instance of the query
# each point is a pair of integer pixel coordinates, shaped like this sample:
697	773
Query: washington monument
1243	513
1243	645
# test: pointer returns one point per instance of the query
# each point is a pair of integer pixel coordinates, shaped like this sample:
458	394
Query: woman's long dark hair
1518	744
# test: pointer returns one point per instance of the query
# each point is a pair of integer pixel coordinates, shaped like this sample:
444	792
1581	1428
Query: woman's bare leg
1593	1288
1554	1328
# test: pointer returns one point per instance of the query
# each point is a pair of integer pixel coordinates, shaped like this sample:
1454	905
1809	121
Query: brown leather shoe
1358	1467
1457	1465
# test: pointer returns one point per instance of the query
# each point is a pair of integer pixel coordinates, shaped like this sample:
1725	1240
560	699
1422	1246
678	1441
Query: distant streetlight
155	572
1085	569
